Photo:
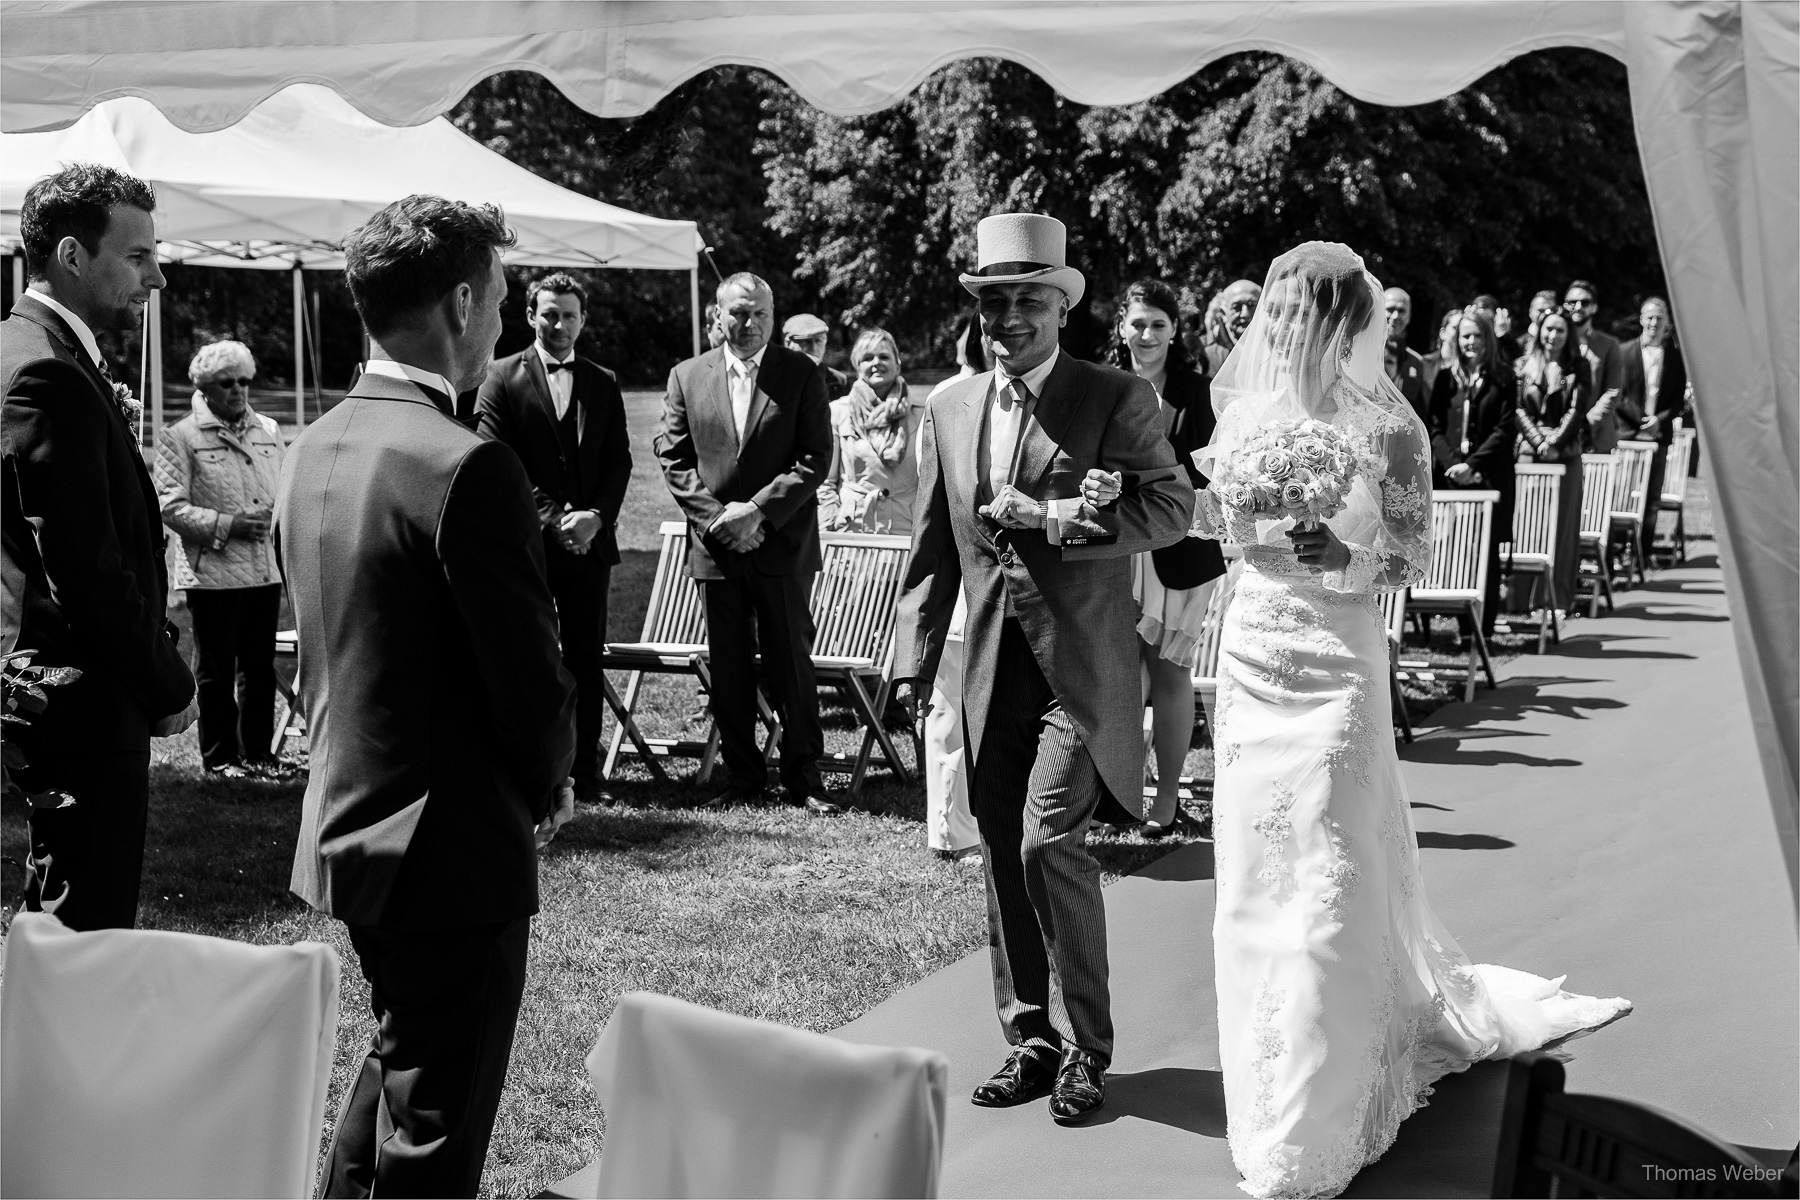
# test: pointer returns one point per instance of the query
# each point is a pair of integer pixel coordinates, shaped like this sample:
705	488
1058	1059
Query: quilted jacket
204	474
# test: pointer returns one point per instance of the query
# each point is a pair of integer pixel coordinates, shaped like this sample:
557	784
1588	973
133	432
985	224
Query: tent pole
299	349
694	303
153	338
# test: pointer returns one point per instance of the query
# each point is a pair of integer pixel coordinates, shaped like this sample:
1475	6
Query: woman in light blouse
874	474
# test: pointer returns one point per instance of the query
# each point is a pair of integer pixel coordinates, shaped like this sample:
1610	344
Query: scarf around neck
882	423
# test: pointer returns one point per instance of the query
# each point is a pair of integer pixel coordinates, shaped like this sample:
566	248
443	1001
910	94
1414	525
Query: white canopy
1715	88
287	183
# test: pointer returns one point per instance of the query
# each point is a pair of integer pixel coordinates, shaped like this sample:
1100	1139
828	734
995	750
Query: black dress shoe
1027	1075
1080	1088
820	804
592	793
731	797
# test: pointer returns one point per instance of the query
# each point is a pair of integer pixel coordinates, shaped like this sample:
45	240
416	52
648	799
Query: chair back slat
1461	524
1393	613
1631	478
1675	475
1206	663
856	597
1597	471
674	614
1536	507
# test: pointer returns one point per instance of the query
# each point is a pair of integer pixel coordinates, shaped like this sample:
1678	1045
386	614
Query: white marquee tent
282	188
1715	88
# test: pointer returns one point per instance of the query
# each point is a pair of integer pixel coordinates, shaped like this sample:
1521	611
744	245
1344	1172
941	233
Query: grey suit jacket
1073	602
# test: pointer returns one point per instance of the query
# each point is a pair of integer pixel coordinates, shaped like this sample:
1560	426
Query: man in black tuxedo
1653	392
81	543
440	714
564	417
745	439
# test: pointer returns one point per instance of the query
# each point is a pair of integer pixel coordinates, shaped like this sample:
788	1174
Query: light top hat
1023	248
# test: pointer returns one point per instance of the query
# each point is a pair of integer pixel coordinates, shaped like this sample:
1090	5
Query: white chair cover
141	1063
702	1103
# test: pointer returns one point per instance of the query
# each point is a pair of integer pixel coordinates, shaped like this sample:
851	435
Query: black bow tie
553	367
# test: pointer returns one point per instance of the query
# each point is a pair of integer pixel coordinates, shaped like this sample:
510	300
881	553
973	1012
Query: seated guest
1174	585
216	473
1653	395
1237	304
1474	422
1555	391
809	335
874	474
745	440
564	417
1404	366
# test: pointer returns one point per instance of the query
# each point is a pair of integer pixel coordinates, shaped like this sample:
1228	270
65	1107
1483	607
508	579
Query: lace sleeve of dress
1398	554
1209	517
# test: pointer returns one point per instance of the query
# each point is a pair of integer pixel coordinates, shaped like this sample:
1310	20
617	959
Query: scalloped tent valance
1715	88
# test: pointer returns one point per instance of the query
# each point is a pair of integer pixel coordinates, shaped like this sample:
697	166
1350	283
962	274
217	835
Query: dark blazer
1074	601
81	543
1671	390
837	384
1493	434
440	714
515	406
1188	419
787	447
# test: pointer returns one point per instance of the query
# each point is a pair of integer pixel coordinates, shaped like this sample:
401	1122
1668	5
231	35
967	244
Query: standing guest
715	336
974	354
1501	319
441	716
1237	303
1173	585
216	473
809	335
1541	303
1580	302
1404	365
81	545
745	441
1555	392
1652	395
1474	423
564	417
874	473
1445	354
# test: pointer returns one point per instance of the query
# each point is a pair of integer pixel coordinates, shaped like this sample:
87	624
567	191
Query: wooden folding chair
1461	524
1206	664
1393	614
1597	473
1674	486
1630	507
855	603
1535	511
291	724
673	642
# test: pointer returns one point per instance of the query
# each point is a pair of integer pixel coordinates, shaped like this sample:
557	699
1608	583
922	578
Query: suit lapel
48	318
540	382
759	399
959	440
1050	419
719	389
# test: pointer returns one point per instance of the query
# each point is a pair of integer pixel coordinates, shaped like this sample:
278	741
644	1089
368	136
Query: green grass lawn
765	912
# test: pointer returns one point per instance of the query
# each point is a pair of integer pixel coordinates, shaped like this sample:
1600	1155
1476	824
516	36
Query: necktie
743	387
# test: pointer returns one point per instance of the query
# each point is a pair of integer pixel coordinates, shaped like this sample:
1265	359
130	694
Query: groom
1051	698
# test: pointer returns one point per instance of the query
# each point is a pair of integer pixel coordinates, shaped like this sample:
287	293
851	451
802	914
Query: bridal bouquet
1299	470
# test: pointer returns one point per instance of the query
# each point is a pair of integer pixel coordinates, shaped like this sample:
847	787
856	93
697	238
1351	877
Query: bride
1341	996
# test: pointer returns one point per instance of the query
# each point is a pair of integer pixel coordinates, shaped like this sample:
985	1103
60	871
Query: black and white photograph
908	598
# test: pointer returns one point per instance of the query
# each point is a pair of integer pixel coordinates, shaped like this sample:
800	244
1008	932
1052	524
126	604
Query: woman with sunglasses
216	472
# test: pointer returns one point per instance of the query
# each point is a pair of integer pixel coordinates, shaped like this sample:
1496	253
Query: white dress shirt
79	327
1653	367
1005	423
562	383
398	370
741	377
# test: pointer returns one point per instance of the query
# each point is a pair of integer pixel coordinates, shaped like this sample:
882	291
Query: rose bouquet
1298	470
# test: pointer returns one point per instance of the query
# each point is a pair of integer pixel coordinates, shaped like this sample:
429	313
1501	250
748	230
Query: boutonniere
129	405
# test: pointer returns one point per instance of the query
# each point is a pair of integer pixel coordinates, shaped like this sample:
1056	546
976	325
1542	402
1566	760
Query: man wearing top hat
1037	483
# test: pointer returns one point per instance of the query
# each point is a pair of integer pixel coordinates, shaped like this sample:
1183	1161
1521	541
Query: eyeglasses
243	382
1578	302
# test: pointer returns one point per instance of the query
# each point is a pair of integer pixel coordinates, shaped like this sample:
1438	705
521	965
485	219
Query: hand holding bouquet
1298	470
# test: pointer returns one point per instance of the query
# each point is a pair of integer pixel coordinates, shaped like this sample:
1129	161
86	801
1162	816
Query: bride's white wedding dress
1341	996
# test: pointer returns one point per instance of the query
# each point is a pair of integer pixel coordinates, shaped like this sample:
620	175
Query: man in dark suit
1037	483
440	714
1404	365
1653	391
809	335
81	543
745	440
1605	366
565	419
